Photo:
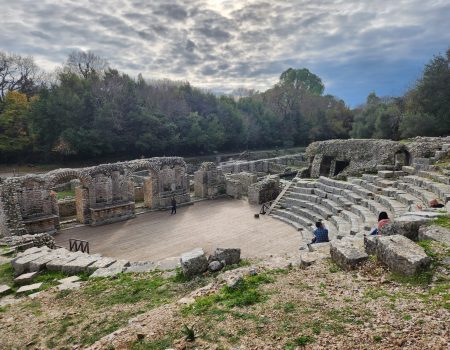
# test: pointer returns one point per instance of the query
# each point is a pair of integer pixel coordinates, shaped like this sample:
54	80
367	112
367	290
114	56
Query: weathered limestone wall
270	165
103	194
209	181
426	147
237	184
353	157
265	190
67	207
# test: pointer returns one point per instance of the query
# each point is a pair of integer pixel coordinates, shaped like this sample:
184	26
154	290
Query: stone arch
150	189
81	193
38	207
133	167
67	174
402	158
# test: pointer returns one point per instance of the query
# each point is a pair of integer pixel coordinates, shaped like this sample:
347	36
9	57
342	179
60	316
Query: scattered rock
194	262
347	254
309	258
370	244
229	255
4	289
29	288
435	233
69	286
140	266
215	266
25	278
402	255
70	279
407	225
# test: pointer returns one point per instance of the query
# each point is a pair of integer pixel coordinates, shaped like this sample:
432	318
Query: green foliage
443	221
428	103
377	338
246	293
6	274
127	290
304	340
189	333
64	194
156	344
89	113
15	139
377	119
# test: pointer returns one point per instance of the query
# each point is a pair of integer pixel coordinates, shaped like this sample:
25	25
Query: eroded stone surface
194	262
4	289
25	278
229	255
29	288
402	255
435	233
347	254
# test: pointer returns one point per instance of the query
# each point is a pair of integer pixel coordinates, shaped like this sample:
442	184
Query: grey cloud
235	44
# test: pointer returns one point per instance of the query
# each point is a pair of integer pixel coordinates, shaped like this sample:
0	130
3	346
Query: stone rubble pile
28	241
195	261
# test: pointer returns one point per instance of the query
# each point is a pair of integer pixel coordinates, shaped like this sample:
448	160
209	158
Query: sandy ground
209	224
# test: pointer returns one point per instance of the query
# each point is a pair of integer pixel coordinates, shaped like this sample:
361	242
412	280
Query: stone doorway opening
146	188
340	166
325	166
71	197
402	158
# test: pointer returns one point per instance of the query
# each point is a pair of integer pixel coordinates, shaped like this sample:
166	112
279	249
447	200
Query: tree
18	73
86	63
302	79
14	133
430	99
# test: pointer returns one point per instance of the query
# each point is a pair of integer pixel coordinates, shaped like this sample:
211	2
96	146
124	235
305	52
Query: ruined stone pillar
82	204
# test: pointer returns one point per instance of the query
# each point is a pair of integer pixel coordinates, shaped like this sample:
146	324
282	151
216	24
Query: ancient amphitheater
263	208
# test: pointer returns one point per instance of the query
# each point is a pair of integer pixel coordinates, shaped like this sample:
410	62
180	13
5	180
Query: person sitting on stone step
320	233
383	219
434	203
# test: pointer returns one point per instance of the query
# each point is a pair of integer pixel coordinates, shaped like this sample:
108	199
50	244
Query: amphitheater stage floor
225	223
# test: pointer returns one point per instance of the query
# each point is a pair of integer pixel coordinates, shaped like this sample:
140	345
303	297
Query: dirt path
208	224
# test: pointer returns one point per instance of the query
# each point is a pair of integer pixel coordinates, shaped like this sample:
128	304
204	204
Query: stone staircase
351	208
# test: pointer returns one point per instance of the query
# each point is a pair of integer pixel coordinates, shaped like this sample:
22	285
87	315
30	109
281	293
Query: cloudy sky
355	46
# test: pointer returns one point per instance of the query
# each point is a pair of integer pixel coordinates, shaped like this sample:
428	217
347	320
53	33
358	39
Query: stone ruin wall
355	156
270	165
105	193
265	190
352	157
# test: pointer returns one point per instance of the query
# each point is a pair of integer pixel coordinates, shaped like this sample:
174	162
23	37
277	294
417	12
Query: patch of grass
6	274
244	294
304	340
156	344
34	306
64	194
443	221
427	246
375	293
242	263
334	268
407	317
377	338
4	308
63	293
128	289
421	279
288	307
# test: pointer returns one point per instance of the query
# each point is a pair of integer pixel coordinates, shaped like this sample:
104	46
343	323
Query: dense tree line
89	110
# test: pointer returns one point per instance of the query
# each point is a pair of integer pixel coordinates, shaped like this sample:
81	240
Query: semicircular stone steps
352	207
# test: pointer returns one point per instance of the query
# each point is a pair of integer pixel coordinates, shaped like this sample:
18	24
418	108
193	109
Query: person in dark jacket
320	233
174	206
